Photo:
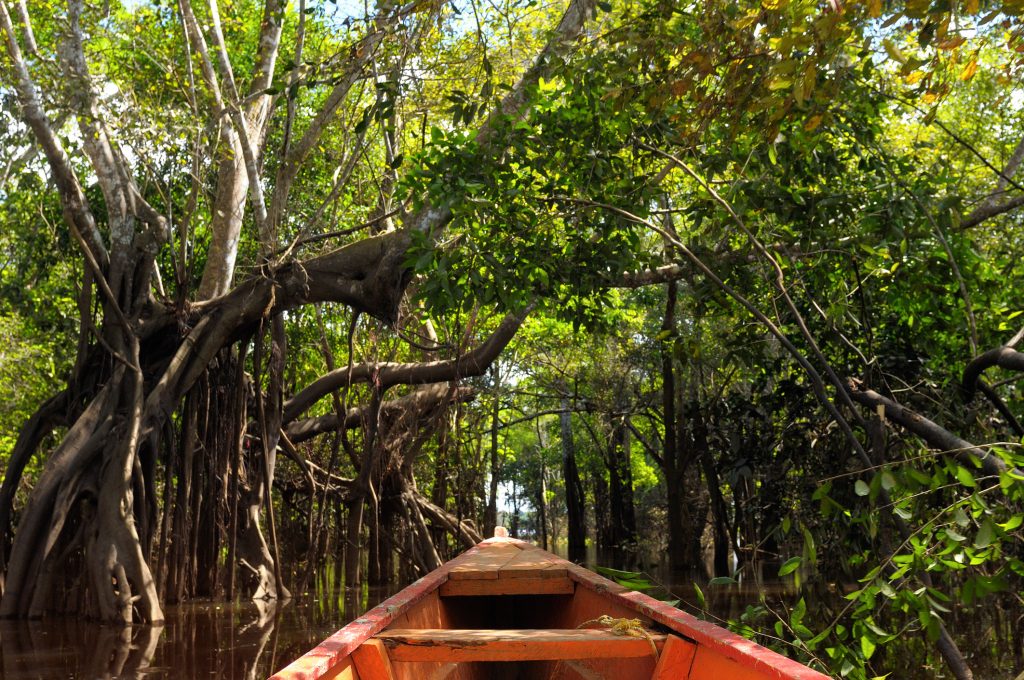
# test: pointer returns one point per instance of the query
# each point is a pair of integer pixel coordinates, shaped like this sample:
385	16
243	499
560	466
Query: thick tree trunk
98	478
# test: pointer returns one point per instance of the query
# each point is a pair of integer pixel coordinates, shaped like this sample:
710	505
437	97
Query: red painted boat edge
715	638
317	662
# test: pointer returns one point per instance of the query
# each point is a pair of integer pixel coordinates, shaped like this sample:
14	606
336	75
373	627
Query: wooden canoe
506	609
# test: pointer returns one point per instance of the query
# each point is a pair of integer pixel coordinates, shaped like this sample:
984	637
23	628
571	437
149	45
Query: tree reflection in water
247	640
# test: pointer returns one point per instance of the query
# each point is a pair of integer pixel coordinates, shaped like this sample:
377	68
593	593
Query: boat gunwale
321	659
703	633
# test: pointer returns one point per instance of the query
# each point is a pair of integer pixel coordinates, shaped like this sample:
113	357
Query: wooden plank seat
459	646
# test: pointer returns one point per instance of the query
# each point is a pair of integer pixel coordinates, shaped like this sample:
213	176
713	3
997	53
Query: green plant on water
639	581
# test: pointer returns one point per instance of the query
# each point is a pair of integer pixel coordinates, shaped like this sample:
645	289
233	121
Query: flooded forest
301	299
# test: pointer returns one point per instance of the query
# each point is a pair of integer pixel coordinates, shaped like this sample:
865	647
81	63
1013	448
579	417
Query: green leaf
790	565
965	476
635	584
984	537
810	548
861	488
1012	523
700	596
617	574
867	646
875	628
955	535
799	610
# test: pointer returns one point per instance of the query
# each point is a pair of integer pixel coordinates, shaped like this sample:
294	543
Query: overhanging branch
389	374
933	434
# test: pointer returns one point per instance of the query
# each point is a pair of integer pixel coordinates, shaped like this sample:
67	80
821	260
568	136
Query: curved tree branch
32	433
935	435
462	529
990	210
1003	357
471	364
420	400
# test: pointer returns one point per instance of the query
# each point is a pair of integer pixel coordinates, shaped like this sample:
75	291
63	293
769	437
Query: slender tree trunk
719	516
577	529
695	507
674	491
602	512
513	528
542	502
491	513
620	495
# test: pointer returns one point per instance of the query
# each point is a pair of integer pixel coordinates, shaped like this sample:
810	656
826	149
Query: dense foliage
724	289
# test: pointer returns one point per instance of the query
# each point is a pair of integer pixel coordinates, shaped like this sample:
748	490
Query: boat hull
506	609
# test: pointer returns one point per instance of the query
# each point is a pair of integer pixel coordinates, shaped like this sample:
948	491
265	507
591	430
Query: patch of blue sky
333	10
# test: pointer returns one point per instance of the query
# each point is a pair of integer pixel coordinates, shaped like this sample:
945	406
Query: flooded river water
241	640
249	641
199	640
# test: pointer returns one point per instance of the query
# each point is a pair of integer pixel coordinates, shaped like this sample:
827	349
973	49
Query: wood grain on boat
514	645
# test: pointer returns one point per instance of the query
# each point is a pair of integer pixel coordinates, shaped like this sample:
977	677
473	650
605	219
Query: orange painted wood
599	669
513	645
760	662
577	671
486	563
509	586
445	672
427	613
344	670
721	655
710	666
675	660
430	612
587	605
533	564
372	662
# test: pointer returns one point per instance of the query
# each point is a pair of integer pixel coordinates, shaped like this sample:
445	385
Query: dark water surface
243	640
246	640
199	640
